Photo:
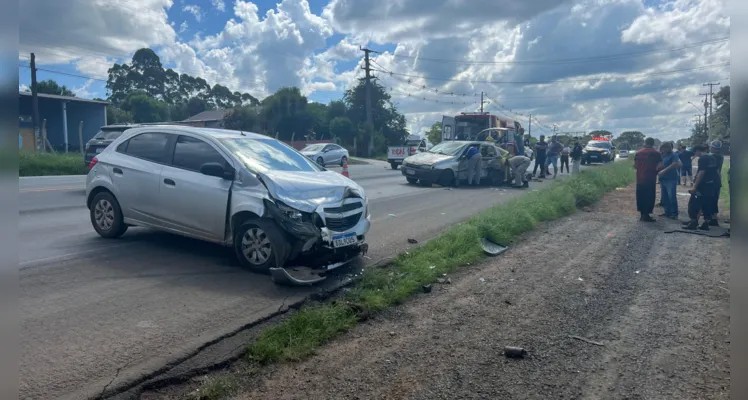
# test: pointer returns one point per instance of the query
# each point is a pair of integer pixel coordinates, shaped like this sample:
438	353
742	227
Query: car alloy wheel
104	215
256	246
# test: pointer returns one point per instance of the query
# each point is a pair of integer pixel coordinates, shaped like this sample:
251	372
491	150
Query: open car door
448	128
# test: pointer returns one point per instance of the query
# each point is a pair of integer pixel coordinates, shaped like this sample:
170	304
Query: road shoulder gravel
656	303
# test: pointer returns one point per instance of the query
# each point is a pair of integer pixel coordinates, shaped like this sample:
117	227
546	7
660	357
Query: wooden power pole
369	122
35	105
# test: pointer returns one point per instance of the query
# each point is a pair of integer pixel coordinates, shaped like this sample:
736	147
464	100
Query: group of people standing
547	154
673	168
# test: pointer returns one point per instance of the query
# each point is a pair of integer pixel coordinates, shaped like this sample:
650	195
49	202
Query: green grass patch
215	388
39	164
380	288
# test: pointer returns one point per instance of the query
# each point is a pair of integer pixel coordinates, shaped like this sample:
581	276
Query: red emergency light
603	139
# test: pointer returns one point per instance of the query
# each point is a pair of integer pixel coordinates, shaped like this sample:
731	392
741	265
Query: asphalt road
98	313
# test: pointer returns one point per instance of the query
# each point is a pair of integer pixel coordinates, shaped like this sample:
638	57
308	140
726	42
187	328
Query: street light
697	108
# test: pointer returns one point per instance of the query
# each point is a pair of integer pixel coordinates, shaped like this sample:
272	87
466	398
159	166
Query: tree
51	87
320	122
243	118
146	73
343	129
285	113
719	123
434	134
145	108
196	106
629	140
386	120
115	115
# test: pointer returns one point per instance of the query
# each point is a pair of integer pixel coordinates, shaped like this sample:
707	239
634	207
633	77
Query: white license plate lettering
344	240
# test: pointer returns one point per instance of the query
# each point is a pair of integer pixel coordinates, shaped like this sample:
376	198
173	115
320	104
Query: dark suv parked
104	138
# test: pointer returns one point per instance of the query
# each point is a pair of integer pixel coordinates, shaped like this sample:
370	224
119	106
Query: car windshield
448	148
263	155
601	145
314	147
108	134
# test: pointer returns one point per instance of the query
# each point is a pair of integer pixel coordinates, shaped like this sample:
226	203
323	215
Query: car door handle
117	171
169	182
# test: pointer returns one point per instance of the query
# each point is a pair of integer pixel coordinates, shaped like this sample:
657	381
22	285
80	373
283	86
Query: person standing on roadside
703	192
576	157
554	151
474	160
565	152
719	160
669	180
540	152
686	161
646	162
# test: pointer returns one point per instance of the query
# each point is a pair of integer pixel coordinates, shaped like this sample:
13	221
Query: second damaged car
244	190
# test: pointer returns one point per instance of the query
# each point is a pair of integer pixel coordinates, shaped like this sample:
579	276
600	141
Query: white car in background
326	153
623	154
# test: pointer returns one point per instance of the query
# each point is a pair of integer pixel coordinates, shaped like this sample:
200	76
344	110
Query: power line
606	57
65	73
725	64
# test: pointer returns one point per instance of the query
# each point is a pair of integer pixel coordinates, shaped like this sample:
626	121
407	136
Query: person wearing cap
703	191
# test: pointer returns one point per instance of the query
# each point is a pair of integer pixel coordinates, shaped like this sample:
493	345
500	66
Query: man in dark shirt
646	162
540	151
686	169
703	192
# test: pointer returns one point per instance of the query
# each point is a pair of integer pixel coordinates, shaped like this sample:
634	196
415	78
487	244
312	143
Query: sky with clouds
580	64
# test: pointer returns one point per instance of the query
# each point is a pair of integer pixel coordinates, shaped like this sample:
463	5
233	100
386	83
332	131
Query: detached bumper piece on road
302	276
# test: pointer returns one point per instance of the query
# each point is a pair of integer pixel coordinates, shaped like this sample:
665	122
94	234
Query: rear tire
106	216
412	181
260	245
393	165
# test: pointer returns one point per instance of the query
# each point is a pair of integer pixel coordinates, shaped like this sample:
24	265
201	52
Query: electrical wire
606	57
51	71
725	64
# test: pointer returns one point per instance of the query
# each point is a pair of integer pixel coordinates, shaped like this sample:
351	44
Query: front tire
260	245
393	165
106	216
320	161
412	181
446	178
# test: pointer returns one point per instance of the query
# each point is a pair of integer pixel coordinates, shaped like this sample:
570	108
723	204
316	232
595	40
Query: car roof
216	133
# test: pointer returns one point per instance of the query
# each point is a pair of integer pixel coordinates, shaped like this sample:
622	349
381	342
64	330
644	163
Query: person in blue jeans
669	180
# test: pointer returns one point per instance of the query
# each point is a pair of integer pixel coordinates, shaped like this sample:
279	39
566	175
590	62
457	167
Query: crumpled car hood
305	191
427	158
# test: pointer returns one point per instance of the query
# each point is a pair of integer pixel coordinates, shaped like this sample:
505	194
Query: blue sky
582	83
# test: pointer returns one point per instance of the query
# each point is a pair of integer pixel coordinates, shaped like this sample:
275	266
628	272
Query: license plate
344	240
410	172
99	150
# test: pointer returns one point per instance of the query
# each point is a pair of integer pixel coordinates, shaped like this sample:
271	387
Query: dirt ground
656	305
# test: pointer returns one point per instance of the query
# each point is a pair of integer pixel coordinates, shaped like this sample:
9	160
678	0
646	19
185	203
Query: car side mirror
217	170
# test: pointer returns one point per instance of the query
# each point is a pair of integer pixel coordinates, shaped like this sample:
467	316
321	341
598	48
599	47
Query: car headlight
584	150
290	212
605	152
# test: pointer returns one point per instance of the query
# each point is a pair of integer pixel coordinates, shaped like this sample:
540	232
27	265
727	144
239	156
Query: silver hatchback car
238	189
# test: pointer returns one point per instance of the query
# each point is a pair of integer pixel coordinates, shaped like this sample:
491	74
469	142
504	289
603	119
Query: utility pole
529	126
369	122
711	95
35	105
706	117
481	102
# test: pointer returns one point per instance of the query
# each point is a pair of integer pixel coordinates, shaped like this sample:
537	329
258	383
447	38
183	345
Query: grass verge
39	164
312	326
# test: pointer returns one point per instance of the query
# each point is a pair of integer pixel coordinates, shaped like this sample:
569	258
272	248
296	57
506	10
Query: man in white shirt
565	158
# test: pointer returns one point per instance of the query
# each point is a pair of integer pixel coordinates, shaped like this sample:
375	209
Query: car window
151	146
313	147
329	148
264	155
191	154
108	134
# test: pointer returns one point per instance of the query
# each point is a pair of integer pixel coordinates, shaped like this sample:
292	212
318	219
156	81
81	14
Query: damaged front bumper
324	240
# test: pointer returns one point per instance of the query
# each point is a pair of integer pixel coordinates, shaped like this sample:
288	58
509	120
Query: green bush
39	164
